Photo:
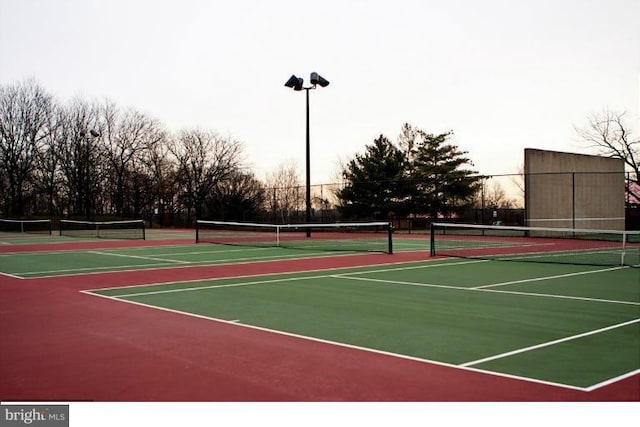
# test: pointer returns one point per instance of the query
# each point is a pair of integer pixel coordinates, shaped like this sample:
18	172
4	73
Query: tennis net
30	226
357	237
131	229
537	244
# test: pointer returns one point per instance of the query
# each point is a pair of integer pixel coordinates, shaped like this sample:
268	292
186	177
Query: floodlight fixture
294	82
317	79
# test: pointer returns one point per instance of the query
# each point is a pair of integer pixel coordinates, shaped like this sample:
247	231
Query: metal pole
87	182
308	195
573	198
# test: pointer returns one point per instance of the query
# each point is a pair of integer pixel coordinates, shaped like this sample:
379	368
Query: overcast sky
502	74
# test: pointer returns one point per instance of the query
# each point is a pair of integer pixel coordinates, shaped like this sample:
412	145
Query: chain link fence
500	199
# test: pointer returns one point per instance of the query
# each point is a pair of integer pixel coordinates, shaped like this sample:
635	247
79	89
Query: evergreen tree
442	184
373	182
424	175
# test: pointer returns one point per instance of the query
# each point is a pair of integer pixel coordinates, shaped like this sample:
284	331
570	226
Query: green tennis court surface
573	326
8	238
52	263
38	264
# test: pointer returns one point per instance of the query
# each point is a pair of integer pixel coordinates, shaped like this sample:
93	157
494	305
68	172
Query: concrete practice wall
569	190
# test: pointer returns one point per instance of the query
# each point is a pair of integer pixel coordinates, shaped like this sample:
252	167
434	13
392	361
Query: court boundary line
550	343
138	257
128	269
245	249
613	380
577	273
621	252
11	275
344	345
349	276
528	256
226	285
132	249
462	288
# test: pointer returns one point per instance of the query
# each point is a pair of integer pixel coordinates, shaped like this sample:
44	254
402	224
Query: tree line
93	159
86	159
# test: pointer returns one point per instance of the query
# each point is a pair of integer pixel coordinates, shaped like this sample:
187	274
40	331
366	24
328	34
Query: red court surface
57	343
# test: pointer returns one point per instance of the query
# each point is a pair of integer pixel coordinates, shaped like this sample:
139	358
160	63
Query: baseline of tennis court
567	325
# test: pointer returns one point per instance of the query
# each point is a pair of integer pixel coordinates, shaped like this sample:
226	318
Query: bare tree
81	160
609	134
126	135
497	197
240	197
204	159
161	168
286	196
517	181
24	113
48	179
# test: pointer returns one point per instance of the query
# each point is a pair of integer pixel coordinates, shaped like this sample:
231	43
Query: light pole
297	84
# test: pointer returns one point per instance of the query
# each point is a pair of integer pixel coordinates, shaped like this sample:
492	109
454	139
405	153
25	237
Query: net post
390	238
144	230
624	245
197	231
432	240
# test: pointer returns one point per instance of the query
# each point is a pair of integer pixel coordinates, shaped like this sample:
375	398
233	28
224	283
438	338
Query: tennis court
572	327
537	323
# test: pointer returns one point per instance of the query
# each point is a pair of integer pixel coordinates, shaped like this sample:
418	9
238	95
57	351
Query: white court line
549	343
258	282
397	282
462	288
613	380
90	270
431	264
617	251
136	267
559	276
198	252
145	248
576	298
227	285
11	275
349	276
493	245
138	257
284	273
